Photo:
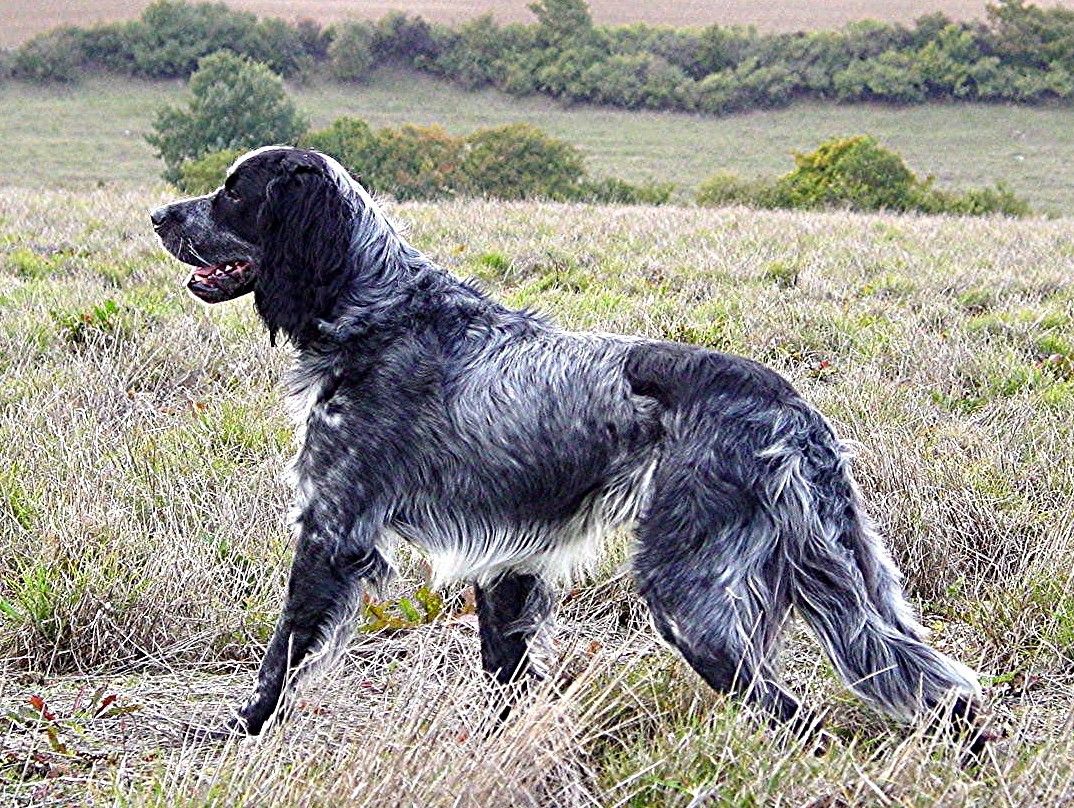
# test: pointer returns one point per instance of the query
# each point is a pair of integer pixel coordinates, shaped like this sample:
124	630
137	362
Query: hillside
143	545
20	19
94	133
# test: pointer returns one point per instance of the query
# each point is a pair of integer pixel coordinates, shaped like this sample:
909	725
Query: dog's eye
230	194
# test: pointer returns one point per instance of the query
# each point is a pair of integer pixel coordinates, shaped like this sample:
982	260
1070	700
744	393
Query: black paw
235	728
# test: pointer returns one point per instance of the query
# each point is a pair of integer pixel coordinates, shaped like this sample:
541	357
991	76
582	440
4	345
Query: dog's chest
308	384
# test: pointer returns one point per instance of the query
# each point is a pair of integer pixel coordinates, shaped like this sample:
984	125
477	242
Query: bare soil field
20	19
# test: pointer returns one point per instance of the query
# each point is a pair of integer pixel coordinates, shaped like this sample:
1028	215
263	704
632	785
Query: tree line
1019	53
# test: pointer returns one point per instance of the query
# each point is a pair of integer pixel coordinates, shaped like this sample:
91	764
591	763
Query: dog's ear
304	228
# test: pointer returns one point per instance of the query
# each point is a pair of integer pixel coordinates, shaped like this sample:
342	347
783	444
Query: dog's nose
159	216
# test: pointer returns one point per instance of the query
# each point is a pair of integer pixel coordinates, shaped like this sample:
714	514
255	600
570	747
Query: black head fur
305	233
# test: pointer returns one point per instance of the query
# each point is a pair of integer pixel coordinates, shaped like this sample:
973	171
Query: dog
505	448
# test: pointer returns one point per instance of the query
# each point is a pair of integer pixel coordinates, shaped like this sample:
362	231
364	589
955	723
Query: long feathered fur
506	448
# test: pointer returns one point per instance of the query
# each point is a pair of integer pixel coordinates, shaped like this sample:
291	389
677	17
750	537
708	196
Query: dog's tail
845	585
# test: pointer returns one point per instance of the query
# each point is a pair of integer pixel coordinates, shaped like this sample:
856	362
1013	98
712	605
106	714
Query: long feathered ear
304	227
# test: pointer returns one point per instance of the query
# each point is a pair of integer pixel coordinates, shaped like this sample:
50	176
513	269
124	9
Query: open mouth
220	282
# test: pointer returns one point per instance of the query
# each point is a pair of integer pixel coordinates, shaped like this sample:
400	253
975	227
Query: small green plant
404	613
976	300
15	499
35	265
498	262
782	274
79	327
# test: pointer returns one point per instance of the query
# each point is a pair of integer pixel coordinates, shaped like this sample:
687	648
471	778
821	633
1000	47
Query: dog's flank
506	448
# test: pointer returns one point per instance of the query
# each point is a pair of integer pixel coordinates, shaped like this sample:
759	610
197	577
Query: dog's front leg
514	618
323	595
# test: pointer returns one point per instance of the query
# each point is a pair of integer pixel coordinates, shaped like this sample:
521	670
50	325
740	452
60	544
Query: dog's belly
478	546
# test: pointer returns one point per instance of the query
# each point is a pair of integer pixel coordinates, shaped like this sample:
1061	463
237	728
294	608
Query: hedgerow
516	161
1020	53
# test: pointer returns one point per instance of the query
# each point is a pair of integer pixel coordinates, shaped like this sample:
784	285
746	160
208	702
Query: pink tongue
204	272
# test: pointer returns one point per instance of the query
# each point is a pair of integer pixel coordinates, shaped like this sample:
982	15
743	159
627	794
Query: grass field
20	19
93	133
143	549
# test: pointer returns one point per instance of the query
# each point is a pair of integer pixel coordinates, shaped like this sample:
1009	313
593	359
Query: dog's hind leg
323	594
514	617
709	569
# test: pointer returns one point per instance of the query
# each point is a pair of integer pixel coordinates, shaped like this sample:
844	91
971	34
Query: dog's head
277	227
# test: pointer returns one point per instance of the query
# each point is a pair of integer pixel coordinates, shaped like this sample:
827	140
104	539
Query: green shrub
203	174
110	46
234	104
473	56
172	36
413	162
974	202
350	55
891	76
349	140
854	172
615	191
406	39
860	174
519	161
54	56
726	188
279	45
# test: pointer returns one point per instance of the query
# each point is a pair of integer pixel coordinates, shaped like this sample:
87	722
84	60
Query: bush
725	188
406	39
1023	54
519	161
54	56
413	162
611	190
857	173
974	202
349	140
234	104
203	174
280	46
636	80
350	55
172	36
473	56
109	46
891	76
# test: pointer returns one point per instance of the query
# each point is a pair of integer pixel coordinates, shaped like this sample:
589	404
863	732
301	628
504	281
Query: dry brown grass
142	550
20	19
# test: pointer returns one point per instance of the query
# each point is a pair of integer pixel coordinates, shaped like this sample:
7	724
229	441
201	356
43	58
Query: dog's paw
233	729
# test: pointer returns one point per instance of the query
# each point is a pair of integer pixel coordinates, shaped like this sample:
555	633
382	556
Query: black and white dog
505	448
